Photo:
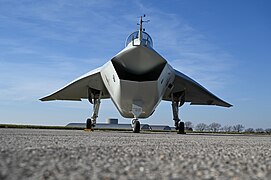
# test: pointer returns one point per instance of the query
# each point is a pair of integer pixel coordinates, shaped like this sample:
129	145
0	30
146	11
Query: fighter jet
137	79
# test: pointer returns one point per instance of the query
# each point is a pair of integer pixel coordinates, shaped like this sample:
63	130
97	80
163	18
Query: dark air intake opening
151	75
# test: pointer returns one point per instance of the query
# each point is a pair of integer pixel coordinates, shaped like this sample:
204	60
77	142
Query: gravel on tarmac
75	154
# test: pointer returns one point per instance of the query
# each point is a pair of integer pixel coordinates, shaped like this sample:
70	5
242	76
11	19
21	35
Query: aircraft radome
136	80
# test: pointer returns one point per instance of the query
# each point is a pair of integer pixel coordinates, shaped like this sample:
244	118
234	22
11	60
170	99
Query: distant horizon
172	126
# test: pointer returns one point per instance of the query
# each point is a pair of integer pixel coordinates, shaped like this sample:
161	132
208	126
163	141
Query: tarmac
75	154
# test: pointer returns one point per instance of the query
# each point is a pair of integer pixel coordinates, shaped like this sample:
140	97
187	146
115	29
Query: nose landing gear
136	111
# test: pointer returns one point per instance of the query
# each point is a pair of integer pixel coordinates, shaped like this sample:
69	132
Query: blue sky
223	45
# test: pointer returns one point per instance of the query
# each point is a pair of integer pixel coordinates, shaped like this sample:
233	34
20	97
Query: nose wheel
89	124
136	126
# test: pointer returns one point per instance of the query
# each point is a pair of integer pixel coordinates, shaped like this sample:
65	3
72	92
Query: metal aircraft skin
136	80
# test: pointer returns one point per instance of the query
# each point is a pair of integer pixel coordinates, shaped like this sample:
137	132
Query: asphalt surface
71	154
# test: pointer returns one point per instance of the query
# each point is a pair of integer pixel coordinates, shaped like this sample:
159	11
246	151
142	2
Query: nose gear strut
136	111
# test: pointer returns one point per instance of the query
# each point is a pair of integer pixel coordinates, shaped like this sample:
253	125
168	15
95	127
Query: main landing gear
177	100
94	97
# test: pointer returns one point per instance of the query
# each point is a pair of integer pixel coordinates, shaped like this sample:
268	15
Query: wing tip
45	99
226	104
49	98
230	105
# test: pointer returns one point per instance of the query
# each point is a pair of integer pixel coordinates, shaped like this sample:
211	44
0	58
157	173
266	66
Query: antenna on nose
140	26
141	21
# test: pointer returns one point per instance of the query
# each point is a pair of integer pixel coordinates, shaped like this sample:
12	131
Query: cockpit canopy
146	39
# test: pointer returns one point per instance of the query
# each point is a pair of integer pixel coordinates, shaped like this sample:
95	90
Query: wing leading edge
194	92
78	89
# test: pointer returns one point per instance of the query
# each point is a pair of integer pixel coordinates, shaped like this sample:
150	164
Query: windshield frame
146	39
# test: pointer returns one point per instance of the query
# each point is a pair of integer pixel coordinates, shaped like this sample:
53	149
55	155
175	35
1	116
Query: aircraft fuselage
137	79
